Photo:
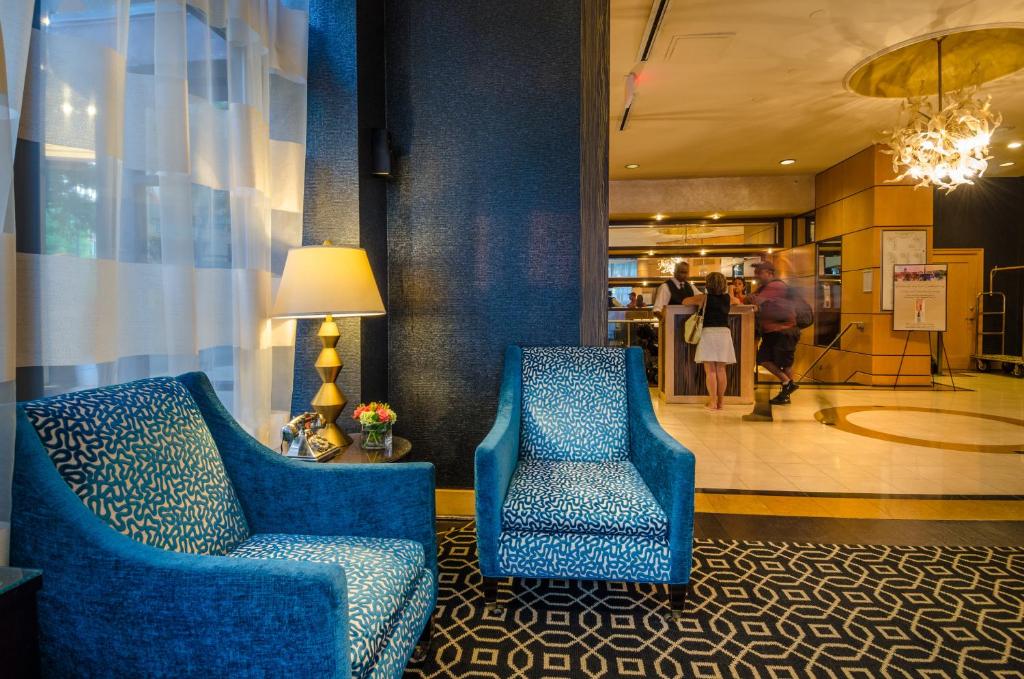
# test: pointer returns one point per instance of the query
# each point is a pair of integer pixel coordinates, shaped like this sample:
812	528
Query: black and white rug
756	609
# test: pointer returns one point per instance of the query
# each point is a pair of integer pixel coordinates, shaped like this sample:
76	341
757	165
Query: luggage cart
996	307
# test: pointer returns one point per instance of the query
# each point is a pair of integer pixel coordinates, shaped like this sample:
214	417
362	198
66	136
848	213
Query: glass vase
376	437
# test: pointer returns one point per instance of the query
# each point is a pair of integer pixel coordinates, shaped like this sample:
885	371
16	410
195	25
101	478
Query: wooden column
594	46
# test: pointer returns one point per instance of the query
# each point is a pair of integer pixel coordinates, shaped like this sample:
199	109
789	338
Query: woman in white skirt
715	349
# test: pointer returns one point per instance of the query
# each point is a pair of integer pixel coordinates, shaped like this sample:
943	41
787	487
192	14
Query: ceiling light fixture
668	265
703	252
786	161
659	217
632	166
1007	164
1014	145
716	216
945	145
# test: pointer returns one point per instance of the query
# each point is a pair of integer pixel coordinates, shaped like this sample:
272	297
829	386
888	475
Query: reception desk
680	380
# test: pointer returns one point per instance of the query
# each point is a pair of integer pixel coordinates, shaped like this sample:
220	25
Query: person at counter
776	320
675	289
738	289
715	348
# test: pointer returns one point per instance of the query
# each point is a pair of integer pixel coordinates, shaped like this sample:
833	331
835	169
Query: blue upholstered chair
578	480
174	544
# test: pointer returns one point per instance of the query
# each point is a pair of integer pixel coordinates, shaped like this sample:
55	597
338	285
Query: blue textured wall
331	204
484	216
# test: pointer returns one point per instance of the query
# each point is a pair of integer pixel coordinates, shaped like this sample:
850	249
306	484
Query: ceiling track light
658	11
630	93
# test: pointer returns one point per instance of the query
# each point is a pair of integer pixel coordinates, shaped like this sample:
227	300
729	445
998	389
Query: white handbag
694	325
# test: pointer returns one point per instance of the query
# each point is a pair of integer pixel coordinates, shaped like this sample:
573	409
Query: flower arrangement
376	420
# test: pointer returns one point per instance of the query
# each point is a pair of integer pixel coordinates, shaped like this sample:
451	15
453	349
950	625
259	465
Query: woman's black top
716	313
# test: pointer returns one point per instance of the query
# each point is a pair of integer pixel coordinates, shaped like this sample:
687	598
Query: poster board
900	247
919	297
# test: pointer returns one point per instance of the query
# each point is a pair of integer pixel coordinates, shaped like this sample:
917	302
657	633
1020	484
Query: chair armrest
281	495
496	460
111	602
665	465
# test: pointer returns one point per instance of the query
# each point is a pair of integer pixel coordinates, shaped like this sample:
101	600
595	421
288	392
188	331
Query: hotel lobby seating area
476	339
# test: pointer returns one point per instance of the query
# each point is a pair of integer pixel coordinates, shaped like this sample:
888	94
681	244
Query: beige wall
700	197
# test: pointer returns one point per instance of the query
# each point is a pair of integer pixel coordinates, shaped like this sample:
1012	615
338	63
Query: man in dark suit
675	289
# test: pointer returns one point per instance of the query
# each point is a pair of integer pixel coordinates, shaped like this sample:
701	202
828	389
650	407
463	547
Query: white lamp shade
323	279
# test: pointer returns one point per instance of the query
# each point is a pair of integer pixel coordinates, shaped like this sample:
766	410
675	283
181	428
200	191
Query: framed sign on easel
919	304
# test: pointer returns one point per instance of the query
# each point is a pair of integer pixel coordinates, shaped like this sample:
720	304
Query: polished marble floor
906	446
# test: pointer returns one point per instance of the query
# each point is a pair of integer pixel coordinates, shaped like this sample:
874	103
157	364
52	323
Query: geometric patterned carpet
756	609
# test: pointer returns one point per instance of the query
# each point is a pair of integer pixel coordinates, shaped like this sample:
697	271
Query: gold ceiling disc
910	69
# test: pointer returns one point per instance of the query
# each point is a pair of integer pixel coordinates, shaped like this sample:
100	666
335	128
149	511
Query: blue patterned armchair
173	544
578	480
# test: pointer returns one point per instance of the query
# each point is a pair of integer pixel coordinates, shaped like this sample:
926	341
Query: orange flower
383	414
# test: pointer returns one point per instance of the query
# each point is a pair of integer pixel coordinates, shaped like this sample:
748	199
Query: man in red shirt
776	320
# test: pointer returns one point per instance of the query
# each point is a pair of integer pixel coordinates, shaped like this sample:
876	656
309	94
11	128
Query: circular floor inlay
931	427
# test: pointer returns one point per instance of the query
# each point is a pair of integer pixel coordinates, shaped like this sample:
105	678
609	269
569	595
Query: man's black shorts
778	347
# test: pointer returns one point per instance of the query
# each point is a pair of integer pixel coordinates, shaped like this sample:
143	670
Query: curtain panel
158	183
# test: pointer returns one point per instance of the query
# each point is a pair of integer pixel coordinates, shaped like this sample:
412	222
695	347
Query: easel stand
942	352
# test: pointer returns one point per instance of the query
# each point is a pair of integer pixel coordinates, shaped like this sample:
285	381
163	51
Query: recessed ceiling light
716	216
650	253
632	166
769	251
659	217
1006	164
703	252
786	161
67	108
1014	145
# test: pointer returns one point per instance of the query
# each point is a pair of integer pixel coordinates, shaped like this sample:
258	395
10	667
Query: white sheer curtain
159	178
15	32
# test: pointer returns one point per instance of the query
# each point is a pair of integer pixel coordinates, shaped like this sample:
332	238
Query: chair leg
422	650
490	587
677	600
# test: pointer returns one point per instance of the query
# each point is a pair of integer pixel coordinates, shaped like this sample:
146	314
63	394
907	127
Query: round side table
355	453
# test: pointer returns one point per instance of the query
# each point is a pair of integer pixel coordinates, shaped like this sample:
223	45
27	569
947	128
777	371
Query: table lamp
326	281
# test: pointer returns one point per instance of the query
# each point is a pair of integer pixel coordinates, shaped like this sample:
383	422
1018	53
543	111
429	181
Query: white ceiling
734	86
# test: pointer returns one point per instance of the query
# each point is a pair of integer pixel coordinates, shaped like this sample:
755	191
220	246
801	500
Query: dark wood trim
594	57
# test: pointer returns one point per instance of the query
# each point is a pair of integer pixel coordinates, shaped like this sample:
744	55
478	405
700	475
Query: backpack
802	311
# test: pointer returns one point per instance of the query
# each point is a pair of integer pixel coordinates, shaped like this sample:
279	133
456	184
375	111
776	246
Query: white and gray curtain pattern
157	182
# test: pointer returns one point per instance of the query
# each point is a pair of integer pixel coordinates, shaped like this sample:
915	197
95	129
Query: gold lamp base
329	401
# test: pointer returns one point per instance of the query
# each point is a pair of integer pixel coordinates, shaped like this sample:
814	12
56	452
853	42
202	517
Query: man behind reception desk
675	289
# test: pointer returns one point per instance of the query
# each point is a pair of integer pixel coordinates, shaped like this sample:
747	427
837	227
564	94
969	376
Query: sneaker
782	399
790	387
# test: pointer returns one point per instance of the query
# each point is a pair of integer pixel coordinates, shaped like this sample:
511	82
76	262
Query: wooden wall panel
856	200
796	262
878	338
854	299
902	206
857	211
594	37
861	250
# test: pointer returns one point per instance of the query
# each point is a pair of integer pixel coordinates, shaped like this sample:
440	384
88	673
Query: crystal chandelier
943	145
667	265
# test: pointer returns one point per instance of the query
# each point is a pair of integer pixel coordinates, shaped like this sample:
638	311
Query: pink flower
383	415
